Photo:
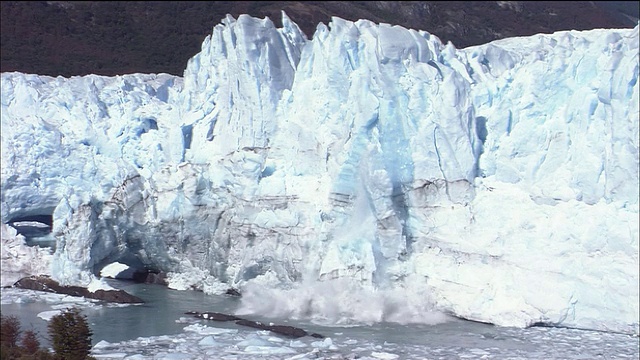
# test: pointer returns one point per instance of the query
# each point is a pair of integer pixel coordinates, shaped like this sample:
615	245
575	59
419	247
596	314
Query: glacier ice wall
498	183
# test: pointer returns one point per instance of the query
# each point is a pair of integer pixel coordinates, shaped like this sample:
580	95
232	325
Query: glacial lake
164	314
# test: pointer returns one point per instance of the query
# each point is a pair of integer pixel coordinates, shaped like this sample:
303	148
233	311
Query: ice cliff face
497	183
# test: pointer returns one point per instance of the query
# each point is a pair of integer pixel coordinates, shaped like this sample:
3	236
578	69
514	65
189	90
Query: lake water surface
164	314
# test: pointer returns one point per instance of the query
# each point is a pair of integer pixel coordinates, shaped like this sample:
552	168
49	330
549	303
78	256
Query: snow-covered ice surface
204	340
366	175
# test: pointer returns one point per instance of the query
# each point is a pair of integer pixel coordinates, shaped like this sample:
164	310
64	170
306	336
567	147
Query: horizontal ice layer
498	183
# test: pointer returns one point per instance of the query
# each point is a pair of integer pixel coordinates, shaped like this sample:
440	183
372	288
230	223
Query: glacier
371	173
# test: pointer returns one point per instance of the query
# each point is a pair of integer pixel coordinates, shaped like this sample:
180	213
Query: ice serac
71	150
559	168
371	173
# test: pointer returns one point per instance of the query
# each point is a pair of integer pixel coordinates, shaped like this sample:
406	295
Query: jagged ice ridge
370	173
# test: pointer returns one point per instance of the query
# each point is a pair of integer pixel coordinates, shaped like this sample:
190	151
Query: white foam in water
47	315
338	302
384	355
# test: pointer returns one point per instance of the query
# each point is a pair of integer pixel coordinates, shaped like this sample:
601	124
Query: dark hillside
118	37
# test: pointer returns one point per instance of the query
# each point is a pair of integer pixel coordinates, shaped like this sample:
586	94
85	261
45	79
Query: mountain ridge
68	38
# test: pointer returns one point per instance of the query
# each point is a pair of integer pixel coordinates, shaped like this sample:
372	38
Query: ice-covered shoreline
201	340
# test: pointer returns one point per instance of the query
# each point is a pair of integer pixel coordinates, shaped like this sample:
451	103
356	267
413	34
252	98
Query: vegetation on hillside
69	334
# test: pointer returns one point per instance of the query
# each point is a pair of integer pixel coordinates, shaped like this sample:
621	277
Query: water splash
340	302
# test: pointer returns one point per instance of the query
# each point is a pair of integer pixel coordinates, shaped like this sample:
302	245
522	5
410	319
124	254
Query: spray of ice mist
344	292
340	302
